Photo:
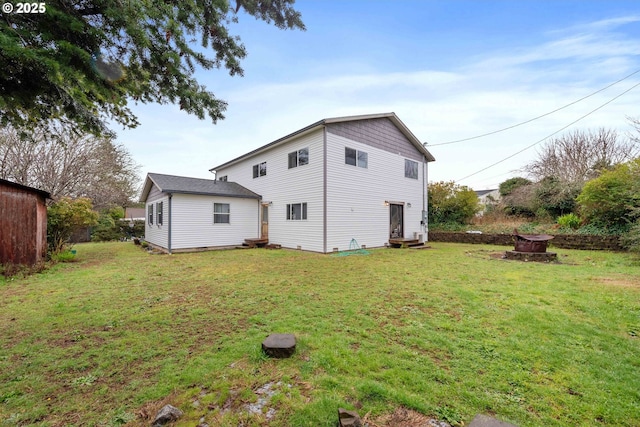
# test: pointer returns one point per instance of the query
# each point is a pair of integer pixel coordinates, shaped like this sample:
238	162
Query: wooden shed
23	224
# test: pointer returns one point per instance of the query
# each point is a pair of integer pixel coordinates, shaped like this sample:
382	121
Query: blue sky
449	69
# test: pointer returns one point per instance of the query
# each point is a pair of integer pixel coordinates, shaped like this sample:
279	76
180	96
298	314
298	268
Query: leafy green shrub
64	256
511	184
64	217
613	199
631	239
451	203
556	197
570	220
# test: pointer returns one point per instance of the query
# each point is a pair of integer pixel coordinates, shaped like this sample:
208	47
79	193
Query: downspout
425	196
324	189
169	232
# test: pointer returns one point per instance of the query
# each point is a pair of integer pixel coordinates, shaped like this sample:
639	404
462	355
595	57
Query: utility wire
538	117
549	136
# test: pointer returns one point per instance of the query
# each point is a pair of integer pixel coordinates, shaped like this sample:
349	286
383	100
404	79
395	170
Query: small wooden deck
255	243
404	243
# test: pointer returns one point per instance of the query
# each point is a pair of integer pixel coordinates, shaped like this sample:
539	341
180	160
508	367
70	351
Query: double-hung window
299	158
260	169
296	211
150	214
410	169
160	212
355	157
221	213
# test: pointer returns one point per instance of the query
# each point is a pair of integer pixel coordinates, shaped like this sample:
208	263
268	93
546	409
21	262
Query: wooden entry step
255	243
404	243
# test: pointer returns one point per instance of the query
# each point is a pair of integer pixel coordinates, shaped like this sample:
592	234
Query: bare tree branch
70	165
582	155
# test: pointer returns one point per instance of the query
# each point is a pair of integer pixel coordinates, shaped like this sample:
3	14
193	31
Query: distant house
487	198
23	224
316	189
134	214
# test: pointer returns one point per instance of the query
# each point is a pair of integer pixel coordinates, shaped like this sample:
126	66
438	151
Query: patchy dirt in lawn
403	417
623	282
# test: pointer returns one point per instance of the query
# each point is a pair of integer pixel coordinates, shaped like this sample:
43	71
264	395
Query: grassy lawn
447	332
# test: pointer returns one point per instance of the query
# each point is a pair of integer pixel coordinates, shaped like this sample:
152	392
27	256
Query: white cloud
487	93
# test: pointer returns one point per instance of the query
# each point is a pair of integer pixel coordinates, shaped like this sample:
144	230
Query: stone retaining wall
564	241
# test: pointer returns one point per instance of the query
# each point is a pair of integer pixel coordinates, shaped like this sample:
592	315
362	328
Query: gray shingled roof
187	185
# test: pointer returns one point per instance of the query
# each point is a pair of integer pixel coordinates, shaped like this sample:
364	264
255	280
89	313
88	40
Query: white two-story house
317	189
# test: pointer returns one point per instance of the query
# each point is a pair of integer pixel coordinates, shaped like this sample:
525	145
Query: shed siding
356	196
379	133
155	233
192	221
282	186
23	226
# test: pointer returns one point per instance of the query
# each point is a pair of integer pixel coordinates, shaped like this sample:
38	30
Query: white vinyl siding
193	224
284	185
356	196
157	232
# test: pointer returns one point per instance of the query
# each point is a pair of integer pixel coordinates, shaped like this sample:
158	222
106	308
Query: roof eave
312	127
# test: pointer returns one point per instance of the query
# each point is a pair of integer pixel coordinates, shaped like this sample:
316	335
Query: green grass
448	332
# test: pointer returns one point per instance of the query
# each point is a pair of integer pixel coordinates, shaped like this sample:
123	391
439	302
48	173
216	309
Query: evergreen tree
80	62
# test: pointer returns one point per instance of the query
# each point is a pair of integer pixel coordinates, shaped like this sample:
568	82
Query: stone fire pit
531	247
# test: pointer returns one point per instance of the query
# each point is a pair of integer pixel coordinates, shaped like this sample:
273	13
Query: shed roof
42	193
187	185
391	116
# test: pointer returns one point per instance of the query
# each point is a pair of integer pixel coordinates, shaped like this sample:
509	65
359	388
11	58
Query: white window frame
303	211
259	170
150	214
159	213
297	156
415	167
361	159
221	215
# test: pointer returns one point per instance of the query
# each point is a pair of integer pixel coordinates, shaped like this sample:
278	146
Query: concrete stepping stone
279	346
486	421
348	418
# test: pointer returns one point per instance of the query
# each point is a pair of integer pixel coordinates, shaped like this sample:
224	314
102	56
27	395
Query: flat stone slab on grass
348	418
486	421
279	346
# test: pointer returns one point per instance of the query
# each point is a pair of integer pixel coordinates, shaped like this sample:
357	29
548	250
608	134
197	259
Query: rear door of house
396	223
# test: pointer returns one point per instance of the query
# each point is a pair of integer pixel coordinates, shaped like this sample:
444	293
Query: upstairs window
150	214
223	178
355	157
221	213
160	211
299	158
260	169
296	211
410	169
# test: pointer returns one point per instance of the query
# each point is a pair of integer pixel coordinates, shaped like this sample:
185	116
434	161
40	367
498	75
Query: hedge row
564	241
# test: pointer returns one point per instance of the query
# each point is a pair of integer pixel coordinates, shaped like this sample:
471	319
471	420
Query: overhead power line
549	136
538	117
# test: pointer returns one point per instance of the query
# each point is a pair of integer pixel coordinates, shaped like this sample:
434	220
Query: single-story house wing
185	213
